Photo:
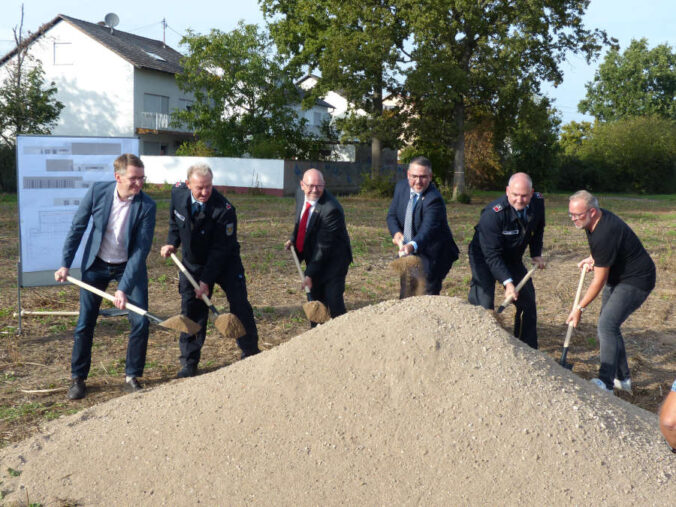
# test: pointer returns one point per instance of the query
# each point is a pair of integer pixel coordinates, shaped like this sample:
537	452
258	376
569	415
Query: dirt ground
39	358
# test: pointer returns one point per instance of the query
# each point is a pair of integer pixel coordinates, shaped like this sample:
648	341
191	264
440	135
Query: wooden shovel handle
300	270
105	295
190	278
519	286
569	332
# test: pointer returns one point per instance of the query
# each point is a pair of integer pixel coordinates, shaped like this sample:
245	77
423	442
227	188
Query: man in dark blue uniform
506	227
205	223
426	232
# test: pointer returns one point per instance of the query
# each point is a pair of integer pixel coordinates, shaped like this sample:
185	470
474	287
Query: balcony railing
157	121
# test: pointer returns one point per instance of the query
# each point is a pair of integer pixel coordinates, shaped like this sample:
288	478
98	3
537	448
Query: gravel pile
420	401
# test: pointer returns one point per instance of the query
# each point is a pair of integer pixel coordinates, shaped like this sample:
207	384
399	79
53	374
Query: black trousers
233	283
482	291
330	291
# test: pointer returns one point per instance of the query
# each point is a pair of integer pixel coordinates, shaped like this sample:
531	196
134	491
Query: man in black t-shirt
625	272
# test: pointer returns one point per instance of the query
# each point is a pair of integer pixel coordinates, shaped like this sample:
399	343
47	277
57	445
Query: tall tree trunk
376	155
459	148
376	142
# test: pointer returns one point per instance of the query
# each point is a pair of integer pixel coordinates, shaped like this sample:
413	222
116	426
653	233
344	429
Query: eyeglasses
318	187
136	179
418	176
577	216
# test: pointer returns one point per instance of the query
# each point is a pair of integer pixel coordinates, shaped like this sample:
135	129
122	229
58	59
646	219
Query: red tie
300	237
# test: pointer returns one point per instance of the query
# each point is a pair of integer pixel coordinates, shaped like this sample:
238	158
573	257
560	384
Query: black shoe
248	353
132	385
187	371
78	389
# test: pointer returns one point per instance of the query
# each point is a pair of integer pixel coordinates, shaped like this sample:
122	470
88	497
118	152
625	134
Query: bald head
312	184
519	190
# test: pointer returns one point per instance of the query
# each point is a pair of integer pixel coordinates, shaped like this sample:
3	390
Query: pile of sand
425	400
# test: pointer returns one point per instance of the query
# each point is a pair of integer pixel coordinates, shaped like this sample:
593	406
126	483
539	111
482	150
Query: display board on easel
53	175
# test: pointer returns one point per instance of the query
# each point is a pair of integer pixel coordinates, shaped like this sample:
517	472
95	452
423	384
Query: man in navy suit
320	238
204	223
429	235
123	222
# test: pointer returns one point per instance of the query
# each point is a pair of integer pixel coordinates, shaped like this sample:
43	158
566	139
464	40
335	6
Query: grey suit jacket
96	206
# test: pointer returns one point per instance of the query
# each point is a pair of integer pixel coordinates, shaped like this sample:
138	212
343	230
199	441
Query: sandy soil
425	400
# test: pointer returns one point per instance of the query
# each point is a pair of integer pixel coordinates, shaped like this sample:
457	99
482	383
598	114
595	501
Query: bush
378	186
629	155
7	168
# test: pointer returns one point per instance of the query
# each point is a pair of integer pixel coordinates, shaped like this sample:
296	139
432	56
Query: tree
573	135
636	154
532	144
357	46
487	54
27	104
639	82
243	93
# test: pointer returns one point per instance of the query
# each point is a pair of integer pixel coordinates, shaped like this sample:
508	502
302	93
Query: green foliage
471	55
356	45
27	104
639	82
195	149
242	91
379	185
629	155
532	145
573	135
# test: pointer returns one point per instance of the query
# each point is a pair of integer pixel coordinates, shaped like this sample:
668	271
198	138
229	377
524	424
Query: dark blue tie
196	208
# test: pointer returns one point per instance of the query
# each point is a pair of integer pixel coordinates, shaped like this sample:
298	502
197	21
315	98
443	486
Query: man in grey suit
123	222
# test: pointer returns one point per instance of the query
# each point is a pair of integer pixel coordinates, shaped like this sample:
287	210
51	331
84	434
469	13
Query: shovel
410	269
228	324
523	281
569	333
315	311
176	323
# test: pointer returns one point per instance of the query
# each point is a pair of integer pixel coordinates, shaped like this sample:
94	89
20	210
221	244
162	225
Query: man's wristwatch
581	308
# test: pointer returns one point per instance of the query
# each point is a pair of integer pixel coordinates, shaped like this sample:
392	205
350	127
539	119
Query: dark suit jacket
326	248
97	205
435	242
209	239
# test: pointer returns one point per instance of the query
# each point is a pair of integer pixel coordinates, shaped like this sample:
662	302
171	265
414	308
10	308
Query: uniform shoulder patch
178	183
538	195
228	205
497	207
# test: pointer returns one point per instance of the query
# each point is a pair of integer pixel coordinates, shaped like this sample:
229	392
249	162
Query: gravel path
421	401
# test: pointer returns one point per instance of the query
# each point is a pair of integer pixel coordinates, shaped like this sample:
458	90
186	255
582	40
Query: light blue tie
408	220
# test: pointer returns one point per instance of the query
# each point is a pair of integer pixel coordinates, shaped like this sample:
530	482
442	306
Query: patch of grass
14	473
20	411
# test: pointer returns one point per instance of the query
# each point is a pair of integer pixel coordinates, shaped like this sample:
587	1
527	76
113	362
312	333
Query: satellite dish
111	20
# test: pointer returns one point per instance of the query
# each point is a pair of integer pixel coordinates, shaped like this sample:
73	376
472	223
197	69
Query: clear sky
622	19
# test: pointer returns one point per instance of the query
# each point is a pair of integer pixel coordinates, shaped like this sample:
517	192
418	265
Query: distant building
112	83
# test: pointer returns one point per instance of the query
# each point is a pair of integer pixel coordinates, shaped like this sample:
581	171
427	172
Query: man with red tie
321	240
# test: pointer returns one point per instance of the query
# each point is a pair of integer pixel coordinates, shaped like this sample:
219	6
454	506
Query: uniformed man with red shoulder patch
205	223
506	227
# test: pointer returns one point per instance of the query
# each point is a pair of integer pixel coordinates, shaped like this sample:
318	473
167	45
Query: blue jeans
619	302
99	275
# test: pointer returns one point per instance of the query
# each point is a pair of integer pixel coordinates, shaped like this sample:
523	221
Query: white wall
230	172
96	88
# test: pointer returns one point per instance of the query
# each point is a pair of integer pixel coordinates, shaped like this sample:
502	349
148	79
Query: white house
112	83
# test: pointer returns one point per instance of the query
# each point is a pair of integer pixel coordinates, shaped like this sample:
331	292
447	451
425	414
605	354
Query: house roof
141	52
